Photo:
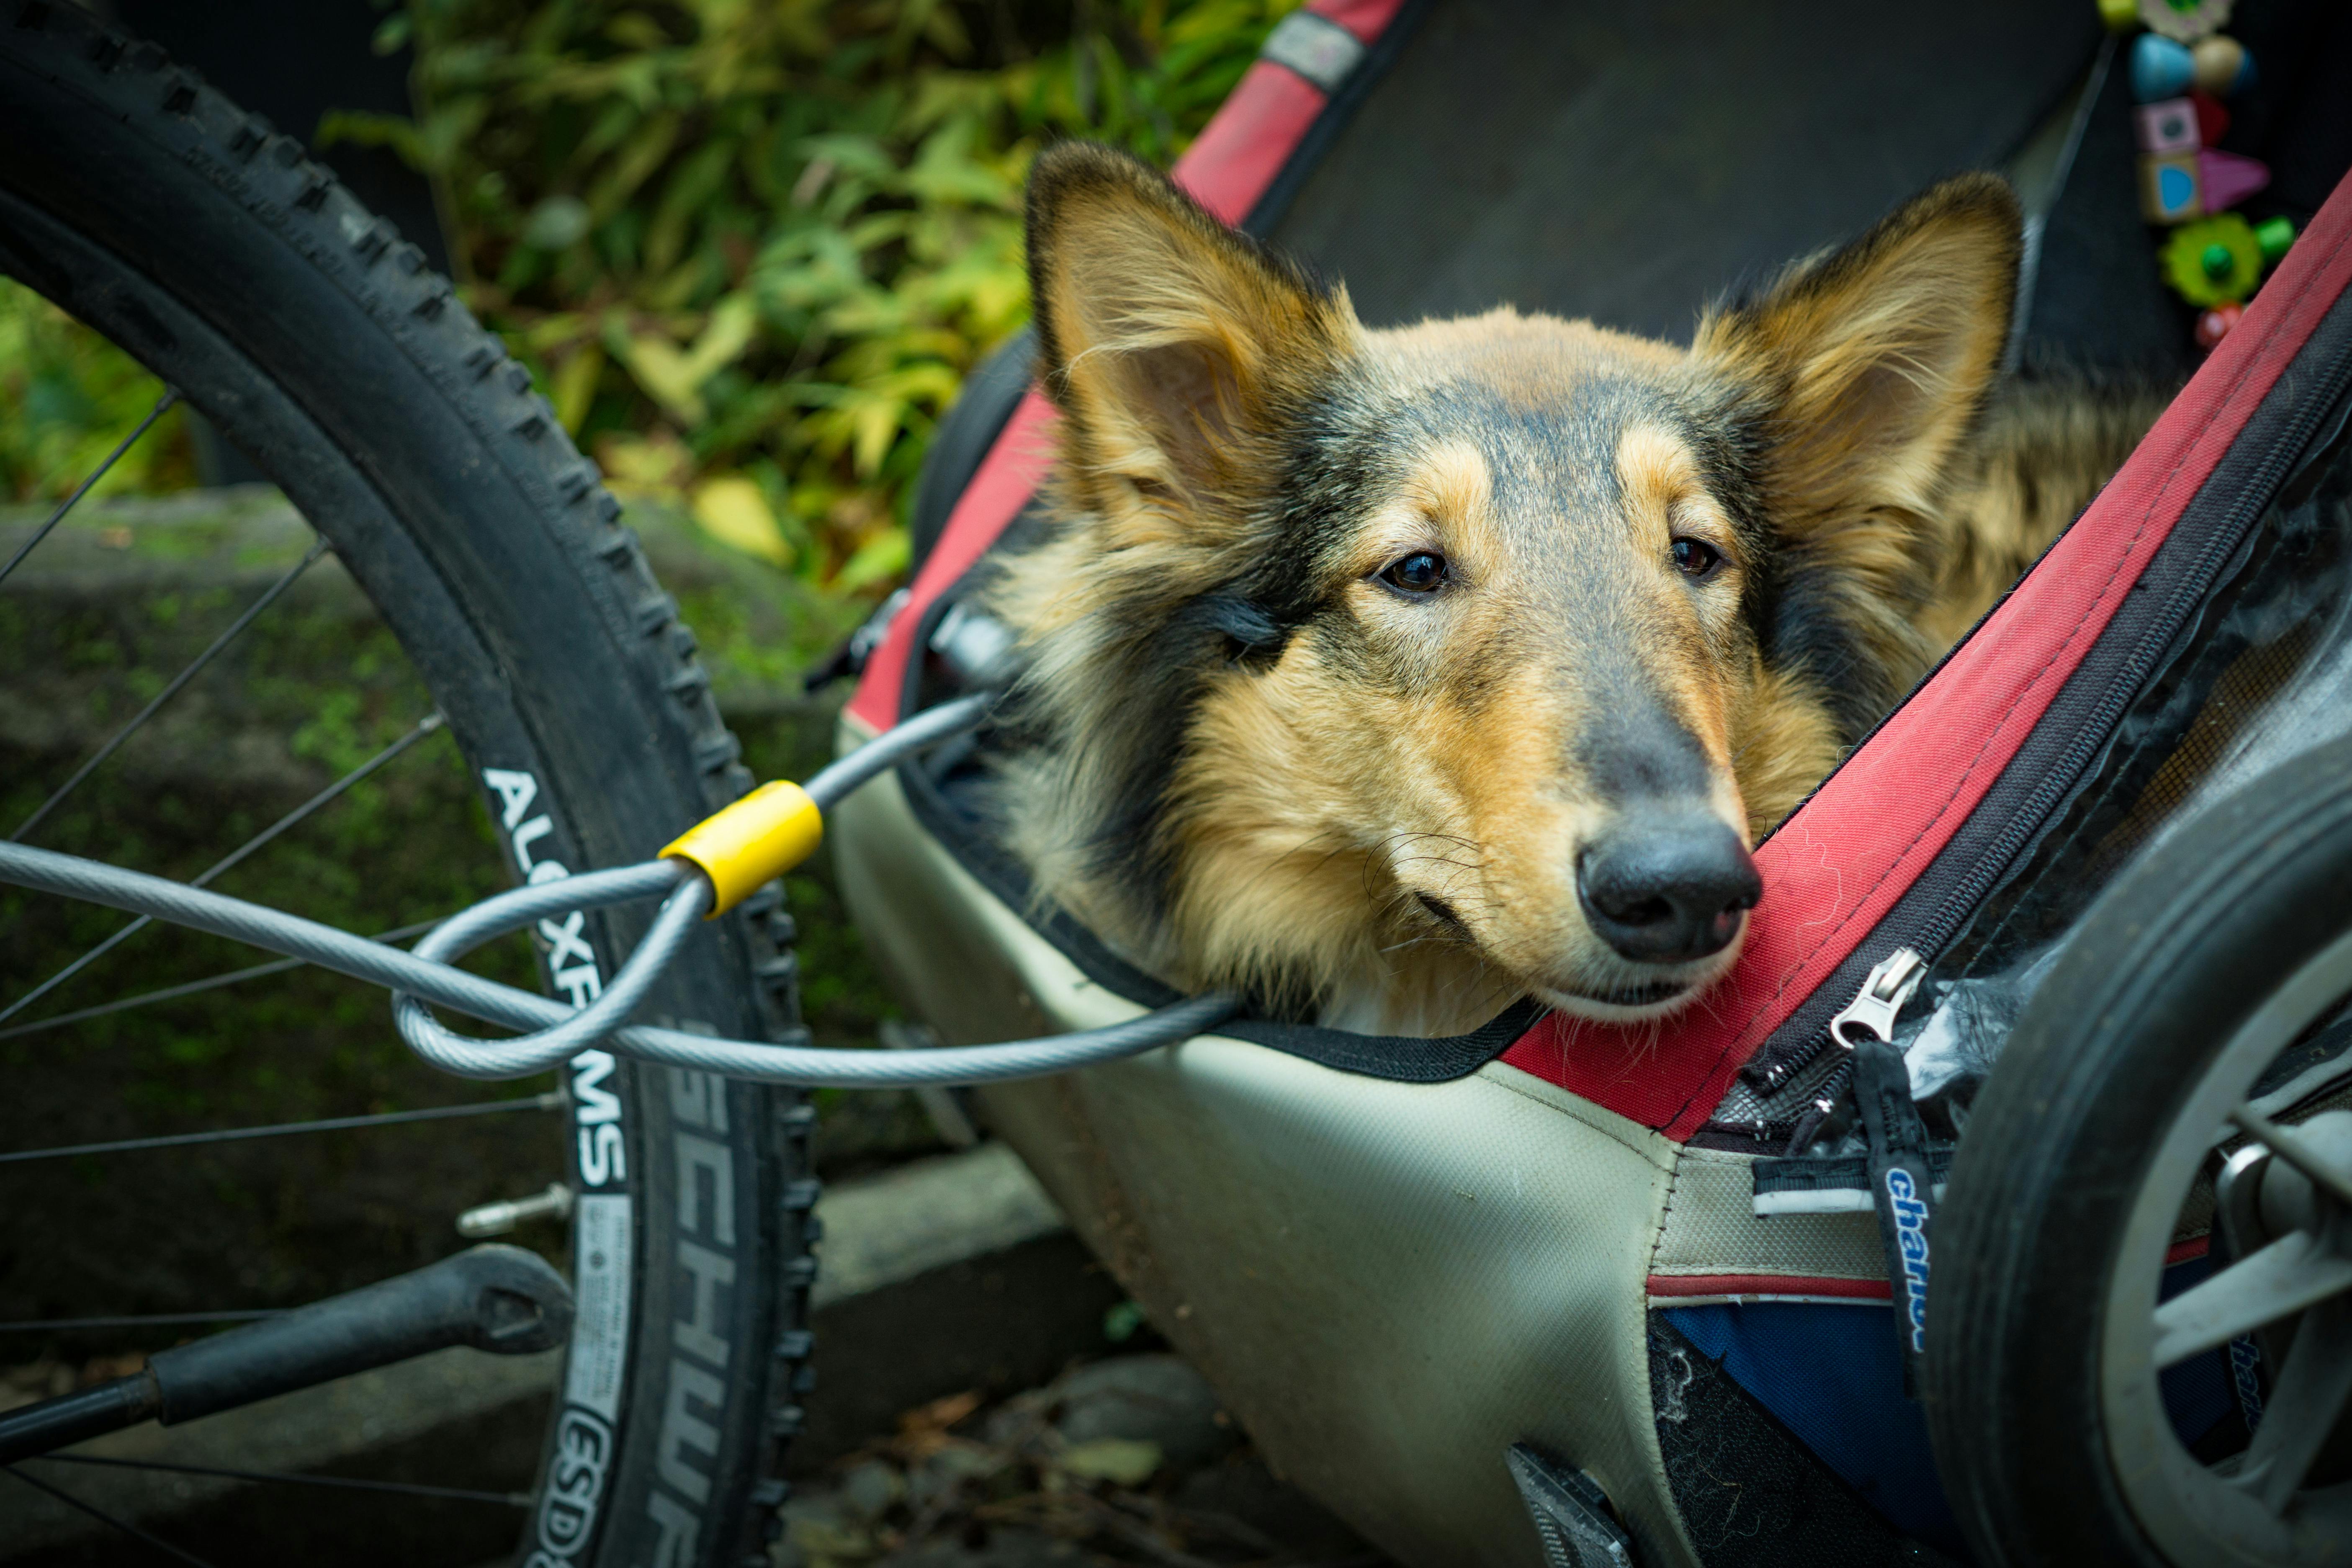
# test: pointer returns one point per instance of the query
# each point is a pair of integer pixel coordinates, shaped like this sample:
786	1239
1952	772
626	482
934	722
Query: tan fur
1783	743
2042	453
1381	824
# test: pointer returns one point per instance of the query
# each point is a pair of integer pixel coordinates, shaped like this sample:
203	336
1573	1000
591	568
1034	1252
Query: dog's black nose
1668	892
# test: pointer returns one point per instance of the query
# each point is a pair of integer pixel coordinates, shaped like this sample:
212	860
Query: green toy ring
2213	260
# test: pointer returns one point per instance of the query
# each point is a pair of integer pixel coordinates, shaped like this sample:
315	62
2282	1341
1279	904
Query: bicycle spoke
2304	1409
137	1320
235	628
406	1489
170	396
192	987
425	726
552	1099
2290	1147
2285	1276
105	1518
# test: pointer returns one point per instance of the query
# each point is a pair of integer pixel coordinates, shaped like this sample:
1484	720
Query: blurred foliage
751	249
70	398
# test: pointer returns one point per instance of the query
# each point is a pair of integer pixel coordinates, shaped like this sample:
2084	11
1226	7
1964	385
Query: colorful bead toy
2213	325
2228	178
2170	126
2184	21
2181	69
2160	69
2214	260
2223	66
2212	120
2170	188
2273	234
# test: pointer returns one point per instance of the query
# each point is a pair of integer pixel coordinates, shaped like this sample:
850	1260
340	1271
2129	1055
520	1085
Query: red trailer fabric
1844	858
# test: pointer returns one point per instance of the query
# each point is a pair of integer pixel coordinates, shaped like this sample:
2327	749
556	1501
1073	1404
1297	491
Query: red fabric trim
1246	146
1670	1286
1000	488
1835	868
1368	19
1666	1285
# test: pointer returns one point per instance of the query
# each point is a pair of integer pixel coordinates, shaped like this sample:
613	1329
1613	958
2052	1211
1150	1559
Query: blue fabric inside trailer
1831	1374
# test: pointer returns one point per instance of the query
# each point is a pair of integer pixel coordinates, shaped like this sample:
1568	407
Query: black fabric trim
1399	1059
2065	745
1750	1494
1737	1139
1834	1172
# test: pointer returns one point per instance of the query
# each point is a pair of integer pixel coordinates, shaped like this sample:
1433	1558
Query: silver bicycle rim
2193	1514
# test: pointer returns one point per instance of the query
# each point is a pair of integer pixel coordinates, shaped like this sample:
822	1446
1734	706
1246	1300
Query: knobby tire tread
173	136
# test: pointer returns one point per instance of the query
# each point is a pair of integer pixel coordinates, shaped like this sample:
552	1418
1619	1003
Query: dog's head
1504	634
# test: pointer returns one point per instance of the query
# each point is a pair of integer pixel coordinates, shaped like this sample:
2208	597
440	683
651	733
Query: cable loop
554	1032
689	896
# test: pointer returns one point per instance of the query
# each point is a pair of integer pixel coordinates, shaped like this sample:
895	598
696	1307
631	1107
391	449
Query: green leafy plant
69	397
751	249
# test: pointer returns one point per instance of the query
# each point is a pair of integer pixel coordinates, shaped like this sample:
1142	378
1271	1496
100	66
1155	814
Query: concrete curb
882	1234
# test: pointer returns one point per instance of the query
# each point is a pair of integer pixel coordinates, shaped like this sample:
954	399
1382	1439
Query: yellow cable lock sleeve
757	839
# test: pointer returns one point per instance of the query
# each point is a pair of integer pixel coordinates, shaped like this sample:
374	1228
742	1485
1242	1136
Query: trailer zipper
1772	1069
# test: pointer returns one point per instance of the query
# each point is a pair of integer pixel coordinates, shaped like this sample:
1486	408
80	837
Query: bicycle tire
2152	985
208	246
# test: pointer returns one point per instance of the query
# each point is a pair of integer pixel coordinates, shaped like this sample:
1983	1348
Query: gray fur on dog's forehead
1548	458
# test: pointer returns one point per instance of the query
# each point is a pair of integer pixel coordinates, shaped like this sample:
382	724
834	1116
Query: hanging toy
2213	325
2275	234
2213	261
2171	187
2212	119
2180	178
2181	70
2160	68
2225	179
2184	21
2221	67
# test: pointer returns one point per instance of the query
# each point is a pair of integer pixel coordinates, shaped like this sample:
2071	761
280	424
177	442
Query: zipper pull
1901	1177
1871	1015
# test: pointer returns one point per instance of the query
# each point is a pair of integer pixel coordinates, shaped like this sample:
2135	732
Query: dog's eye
1422	571
1696	558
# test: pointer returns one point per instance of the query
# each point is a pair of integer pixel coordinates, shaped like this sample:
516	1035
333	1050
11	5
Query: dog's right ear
1174	347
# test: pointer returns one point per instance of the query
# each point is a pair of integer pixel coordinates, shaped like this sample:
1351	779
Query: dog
1387	676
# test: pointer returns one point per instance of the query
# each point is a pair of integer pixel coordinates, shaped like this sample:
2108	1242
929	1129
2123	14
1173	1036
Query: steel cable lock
702	874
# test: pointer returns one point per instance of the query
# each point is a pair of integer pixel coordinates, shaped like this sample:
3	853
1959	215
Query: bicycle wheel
2216	976
210	249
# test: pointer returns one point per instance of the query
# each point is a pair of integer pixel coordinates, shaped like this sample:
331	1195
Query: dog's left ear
1175	348
1868	367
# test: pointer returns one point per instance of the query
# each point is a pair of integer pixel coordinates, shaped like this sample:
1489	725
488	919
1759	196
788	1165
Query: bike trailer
1555	1291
